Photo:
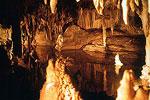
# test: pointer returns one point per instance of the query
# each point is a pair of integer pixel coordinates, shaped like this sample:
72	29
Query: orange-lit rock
53	4
59	43
147	48
77	0
149	6
45	2
126	91
141	94
58	85
137	2
118	64
99	5
125	6
50	90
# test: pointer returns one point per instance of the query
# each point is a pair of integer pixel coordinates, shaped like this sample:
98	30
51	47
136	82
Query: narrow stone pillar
147	48
105	80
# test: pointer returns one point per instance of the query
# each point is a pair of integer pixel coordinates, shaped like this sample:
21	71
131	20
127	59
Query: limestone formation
126	91
58	85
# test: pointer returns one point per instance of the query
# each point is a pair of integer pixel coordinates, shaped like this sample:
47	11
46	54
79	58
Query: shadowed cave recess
74	49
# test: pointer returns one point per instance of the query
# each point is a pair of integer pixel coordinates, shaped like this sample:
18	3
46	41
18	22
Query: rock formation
58	84
126	91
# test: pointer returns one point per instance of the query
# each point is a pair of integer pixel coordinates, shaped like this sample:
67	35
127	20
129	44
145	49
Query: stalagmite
49	91
125	6
145	73
118	64
105	80
59	42
99	5
126	91
141	94
53	4
58	85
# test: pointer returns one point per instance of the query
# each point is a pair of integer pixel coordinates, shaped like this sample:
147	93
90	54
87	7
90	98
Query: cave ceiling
12	9
43	20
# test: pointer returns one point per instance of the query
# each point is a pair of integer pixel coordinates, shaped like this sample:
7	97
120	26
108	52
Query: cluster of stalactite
40	26
110	15
130	7
58	85
42	20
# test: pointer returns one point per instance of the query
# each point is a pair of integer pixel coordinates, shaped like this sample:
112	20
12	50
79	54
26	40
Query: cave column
145	23
147	48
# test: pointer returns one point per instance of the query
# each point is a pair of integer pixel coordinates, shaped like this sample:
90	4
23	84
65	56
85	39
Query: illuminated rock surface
93	32
58	84
126	91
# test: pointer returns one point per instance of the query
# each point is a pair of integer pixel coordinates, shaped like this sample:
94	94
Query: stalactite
33	25
118	11
118	4
87	21
104	33
132	5
125	6
45	2
22	40
77	0
137	2
99	5
53	4
149	6
112	22
93	19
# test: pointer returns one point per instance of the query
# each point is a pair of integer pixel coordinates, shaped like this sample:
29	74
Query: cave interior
95	41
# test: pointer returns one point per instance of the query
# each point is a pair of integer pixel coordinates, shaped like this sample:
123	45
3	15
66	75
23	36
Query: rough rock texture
5	35
58	84
126	91
43	53
75	37
126	43
41	38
